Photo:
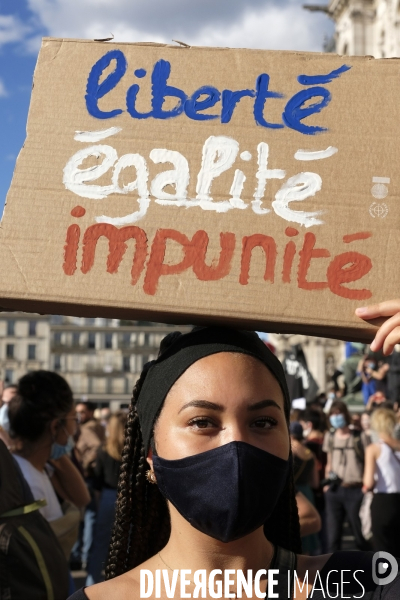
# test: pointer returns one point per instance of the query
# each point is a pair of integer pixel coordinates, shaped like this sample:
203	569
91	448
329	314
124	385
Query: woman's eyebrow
263	404
203	404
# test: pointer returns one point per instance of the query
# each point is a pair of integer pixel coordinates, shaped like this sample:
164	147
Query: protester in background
382	475
375	401
305	477
373	375
8	393
42	418
365	422
315	426
393	376
106	472
90	436
105	414
310	520
344	469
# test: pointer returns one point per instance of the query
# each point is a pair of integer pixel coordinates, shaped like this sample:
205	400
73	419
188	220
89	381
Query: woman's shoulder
126	586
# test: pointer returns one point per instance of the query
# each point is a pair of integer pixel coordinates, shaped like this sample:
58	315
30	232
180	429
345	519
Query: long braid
141	524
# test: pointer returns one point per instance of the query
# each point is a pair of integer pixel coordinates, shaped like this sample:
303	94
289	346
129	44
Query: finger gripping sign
205	185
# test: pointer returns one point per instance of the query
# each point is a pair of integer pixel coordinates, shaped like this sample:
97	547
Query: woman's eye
265	423
201	423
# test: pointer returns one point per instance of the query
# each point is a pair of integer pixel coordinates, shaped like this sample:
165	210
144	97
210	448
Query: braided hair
142	525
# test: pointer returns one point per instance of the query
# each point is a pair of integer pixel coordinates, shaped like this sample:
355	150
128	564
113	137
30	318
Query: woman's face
365	421
222	398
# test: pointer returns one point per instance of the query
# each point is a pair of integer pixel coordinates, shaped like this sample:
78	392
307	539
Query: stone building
100	358
364	27
24	344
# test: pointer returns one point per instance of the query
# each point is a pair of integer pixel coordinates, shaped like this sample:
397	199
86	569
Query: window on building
10	350
126	340
91	340
32	328
118	386
31	352
76	336
9	376
90	322
57	337
99	385
108	341
126	364
11	327
57	362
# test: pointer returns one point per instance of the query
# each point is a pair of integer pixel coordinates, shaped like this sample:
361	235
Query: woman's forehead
224	373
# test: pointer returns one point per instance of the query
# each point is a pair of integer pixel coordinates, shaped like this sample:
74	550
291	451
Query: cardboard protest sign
178	184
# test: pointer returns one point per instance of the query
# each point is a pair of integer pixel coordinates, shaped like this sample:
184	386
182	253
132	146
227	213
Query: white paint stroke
315	154
95	136
381	180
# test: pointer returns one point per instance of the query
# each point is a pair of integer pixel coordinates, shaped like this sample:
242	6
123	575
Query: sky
266	24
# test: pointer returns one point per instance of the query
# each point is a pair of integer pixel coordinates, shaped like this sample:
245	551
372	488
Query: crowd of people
348	466
74	458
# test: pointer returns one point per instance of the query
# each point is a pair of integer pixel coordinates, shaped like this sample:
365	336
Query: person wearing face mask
344	476
206	480
42	419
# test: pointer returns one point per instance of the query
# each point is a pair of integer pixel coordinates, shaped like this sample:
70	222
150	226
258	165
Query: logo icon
380	189
384	568
378	210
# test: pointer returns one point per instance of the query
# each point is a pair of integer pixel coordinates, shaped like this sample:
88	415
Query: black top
106	471
349	566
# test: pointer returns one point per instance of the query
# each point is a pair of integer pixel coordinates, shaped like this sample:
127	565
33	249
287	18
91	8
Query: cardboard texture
254	188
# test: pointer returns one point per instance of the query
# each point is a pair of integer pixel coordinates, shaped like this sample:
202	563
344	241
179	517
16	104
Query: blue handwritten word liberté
207	96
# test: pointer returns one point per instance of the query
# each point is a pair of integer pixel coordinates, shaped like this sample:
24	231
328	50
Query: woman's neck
191	549
37	454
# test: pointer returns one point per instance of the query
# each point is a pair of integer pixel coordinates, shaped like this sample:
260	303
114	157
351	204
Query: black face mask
227	492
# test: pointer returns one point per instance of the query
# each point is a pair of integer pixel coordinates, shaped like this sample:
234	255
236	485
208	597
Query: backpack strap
24	510
286	562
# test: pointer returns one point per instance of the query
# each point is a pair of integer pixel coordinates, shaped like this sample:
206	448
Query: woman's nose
235	433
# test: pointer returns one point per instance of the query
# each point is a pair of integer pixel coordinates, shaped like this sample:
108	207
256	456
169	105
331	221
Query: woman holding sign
206	498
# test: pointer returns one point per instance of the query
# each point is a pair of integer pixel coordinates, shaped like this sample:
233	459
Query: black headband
187	349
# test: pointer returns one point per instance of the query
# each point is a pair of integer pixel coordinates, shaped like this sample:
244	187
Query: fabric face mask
227	492
337	421
58	450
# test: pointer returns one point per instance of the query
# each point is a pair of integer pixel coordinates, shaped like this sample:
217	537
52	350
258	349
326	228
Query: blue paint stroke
262	85
294	114
96	90
140	73
322	79
193	106
160	89
230	100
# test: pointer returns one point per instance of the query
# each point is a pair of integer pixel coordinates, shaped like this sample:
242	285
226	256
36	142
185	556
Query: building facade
24	344
100	358
364	27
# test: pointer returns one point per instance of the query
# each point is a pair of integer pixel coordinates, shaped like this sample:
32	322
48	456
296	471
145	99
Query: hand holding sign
388	335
